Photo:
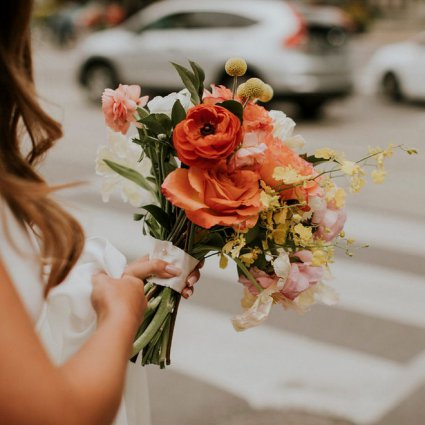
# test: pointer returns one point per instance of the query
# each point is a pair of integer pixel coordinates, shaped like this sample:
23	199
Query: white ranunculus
126	153
284	129
164	105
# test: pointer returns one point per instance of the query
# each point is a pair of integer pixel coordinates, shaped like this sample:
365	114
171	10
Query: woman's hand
124	298
137	267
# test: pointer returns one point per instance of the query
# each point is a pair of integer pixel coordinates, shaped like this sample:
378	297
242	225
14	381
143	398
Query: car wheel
311	109
97	77
391	88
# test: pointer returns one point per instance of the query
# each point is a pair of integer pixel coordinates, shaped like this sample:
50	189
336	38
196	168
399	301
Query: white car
398	70
305	61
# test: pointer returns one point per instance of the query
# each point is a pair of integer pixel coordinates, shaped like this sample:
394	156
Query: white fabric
166	251
66	319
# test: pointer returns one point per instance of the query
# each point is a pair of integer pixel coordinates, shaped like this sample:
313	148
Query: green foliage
192	80
130	174
157	124
160	216
178	113
234	107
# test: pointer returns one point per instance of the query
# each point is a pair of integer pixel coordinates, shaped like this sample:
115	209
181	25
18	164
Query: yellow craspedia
240	92
254	88
268	93
236	67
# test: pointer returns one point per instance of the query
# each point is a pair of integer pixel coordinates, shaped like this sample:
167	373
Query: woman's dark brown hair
21	116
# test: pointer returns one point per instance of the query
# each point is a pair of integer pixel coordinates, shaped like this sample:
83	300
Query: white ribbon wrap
165	250
68	320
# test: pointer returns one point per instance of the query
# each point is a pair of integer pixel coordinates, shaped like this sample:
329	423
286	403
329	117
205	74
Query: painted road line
274	369
387	231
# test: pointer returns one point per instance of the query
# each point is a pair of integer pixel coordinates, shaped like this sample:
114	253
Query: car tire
311	109
96	78
391	88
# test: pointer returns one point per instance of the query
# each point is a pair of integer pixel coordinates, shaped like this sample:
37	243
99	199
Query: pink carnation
218	94
302	276
330	221
120	105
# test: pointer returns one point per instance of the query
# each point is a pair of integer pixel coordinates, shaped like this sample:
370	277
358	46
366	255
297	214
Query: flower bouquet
215	173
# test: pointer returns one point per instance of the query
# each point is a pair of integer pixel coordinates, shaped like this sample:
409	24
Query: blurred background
352	74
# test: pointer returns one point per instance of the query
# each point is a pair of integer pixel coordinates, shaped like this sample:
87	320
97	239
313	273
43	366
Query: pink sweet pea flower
330	221
302	276
263	278
120	105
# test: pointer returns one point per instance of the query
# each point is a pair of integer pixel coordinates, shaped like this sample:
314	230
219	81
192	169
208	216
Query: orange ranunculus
213	197
279	155
208	134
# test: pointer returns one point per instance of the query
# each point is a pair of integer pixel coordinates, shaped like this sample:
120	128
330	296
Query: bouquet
214	173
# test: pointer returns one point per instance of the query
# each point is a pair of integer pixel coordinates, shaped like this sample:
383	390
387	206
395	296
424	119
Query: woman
40	244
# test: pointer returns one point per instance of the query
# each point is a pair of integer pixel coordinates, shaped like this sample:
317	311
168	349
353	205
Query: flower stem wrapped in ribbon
224	177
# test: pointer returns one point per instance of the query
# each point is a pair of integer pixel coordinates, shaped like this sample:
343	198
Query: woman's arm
87	389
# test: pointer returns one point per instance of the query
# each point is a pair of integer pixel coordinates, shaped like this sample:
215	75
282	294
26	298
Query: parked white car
398	70
305	61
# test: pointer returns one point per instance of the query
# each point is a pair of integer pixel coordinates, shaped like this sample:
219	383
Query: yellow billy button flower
240	92
253	88
236	67
267	95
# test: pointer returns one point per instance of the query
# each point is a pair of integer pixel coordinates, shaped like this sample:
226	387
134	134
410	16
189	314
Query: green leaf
138	217
190	81
252	234
200	75
234	107
159	214
157	123
143	113
315	161
178	113
129	174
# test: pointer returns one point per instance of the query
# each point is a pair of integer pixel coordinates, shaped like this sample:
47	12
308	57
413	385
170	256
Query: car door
206	37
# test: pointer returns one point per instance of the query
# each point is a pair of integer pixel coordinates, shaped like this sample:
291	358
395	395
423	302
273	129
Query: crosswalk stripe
275	369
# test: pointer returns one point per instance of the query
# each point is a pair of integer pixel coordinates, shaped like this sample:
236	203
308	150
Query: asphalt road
362	361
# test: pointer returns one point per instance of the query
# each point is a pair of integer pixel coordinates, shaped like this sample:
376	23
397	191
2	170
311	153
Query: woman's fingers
187	292
144	268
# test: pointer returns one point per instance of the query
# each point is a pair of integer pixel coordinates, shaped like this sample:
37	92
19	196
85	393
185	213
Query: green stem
172	325
248	274
164	310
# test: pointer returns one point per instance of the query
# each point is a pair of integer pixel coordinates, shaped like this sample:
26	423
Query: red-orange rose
213	197
208	134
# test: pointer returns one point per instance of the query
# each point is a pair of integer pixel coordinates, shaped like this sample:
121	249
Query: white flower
123	152
284	129
257	313
164	105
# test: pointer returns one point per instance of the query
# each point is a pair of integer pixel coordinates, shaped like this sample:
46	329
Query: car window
200	20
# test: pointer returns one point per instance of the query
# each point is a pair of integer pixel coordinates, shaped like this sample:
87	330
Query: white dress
66	319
